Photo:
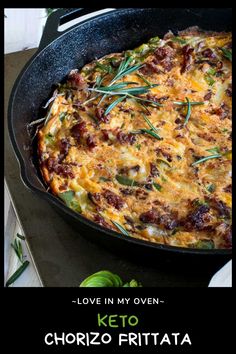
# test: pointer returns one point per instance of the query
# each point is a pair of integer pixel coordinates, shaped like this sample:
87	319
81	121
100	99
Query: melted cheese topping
165	200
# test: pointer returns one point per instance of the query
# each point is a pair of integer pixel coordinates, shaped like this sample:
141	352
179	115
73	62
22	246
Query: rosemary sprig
17	273
215	150
123	231
125	70
150	132
20	236
111	90
149	123
157	186
17	246
144	79
215	156
188	112
113	104
182	103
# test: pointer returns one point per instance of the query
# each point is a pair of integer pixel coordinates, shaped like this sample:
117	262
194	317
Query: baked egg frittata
140	141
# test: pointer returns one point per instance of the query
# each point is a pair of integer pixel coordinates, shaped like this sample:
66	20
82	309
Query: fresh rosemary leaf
211	188
122	230
144	79
206	158
17	273
150	132
227	53
118	86
149	123
20	236
62	116
157	186
215	150
179	40
126	181
113	104
182	103
18	249
128	91
188	112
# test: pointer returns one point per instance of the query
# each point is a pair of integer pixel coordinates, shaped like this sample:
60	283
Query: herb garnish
17	246
126	181
206	158
227	53
20	236
157	186
211	188
113	104
17	273
149	123
144	79
123	231
215	150
194	103
150	132
188	112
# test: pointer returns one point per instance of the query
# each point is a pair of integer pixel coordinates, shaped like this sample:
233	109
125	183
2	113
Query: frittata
140	141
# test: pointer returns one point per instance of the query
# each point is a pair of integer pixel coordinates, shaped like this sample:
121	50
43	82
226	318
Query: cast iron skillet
58	53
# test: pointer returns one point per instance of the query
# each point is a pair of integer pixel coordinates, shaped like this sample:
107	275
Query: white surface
223	278
29	278
23	28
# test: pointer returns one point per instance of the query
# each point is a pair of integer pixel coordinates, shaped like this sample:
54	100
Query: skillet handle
60	17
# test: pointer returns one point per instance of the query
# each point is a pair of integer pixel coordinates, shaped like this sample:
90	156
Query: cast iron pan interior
59	53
